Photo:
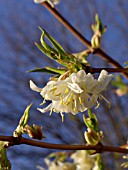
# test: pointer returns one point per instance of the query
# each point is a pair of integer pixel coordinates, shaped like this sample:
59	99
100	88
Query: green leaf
49	70
25	117
22	123
50	54
92	121
53	41
88	122
44	44
100	162
4	162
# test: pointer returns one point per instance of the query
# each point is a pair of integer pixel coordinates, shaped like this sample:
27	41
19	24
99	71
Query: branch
99	148
81	38
98	70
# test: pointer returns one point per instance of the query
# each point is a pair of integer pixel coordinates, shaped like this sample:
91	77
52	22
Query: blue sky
19	21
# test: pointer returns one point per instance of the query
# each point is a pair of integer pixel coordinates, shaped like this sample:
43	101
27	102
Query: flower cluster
81	161
74	94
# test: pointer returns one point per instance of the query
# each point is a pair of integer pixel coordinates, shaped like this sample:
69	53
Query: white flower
60	165
83	160
51	2
76	93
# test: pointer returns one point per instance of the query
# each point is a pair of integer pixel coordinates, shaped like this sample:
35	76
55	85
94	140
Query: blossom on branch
74	94
51	2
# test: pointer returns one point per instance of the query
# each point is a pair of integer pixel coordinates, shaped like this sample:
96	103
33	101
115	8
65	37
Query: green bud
94	134
89	138
98	29
92	137
96	41
4	162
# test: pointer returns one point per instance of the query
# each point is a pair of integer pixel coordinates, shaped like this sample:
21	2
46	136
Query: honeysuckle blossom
76	93
60	165
51	2
83	160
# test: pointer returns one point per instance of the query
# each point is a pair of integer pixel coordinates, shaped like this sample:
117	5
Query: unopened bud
34	131
96	41
92	137
94	134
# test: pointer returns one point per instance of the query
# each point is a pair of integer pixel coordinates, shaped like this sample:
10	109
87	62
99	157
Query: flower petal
104	79
75	87
34	87
39	1
46	109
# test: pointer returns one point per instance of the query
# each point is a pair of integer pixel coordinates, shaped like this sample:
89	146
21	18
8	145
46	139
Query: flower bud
34	131
92	137
95	41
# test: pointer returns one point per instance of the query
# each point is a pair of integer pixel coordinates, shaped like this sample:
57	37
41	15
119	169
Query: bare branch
83	39
99	148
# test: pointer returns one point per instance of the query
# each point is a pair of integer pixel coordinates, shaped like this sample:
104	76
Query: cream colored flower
83	160
51	2
76	93
60	165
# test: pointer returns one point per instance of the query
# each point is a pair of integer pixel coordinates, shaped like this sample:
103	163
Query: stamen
44	101
62	116
69	99
81	102
51	112
105	100
66	91
53	90
98	104
58	94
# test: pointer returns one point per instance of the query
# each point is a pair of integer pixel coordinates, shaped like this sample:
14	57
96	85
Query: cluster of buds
92	136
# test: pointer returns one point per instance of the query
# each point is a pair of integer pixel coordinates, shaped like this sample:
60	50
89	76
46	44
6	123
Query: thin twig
110	70
81	38
99	148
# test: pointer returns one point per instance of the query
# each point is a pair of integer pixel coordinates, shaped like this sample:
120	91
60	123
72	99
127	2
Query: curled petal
46	109
34	87
38	1
104	79
50	1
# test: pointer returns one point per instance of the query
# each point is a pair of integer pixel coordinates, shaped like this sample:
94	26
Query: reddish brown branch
98	148
83	39
112	70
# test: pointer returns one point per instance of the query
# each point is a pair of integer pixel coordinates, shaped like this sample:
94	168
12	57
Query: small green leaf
50	54
53	41
25	117
49	70
92	121
22	123
4	162
88	122
44	44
